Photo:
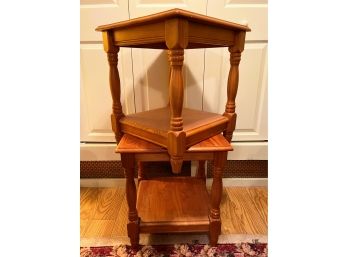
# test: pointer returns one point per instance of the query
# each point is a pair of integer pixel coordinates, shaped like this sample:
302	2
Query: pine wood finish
181	205
103	211
114	80
200	172
232	84
133	219
193	121
131	144
135	32
216	193
173	204
174	30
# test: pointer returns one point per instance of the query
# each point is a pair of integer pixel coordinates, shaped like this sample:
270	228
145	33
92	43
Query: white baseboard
242	151
227	182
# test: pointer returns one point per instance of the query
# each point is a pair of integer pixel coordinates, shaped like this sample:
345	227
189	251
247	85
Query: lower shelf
178	204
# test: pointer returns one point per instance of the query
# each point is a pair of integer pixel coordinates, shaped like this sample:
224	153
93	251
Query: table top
174	13
173	29
158	120
132	144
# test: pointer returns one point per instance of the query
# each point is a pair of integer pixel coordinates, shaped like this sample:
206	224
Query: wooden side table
174	204
174	127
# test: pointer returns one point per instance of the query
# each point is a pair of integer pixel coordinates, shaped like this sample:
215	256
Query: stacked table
174	133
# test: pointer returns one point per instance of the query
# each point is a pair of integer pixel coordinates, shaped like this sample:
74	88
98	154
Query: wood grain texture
115	85
232	84
105	203
215	197
259	198
213	144
188	156
176	88
83	226
157	122
174	13
176	33
120	228
200	171
146	151
173	30
128	162
88	203
242	211
165	195
148	34
180	27
248	218
99	228
226	214
210	35
132	144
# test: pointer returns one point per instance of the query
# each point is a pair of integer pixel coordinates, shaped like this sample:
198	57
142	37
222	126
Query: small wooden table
174	127
174	204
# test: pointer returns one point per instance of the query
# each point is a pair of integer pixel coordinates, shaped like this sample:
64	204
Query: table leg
200	172
131	195
176	136
215	197
232	84
115	87
141	173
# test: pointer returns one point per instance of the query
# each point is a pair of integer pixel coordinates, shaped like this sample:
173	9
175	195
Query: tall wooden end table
174	127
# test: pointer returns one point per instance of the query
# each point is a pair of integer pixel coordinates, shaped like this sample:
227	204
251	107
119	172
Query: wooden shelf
173	205
154	125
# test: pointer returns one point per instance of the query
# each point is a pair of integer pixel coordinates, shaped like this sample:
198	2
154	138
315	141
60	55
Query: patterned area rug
254	249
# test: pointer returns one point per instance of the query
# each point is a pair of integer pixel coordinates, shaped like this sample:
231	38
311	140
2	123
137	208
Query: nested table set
174	133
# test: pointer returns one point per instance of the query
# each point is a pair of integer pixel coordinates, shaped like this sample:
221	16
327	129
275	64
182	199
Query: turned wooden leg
176	88
176	95
215	197
176	148
176	31
114	80
232	85
141	174
200	172
169	73
131	195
